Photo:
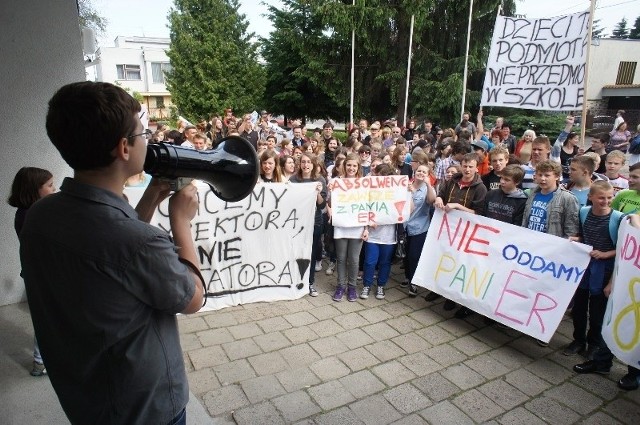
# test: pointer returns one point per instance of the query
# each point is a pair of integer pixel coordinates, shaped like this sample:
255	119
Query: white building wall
38	57
605	57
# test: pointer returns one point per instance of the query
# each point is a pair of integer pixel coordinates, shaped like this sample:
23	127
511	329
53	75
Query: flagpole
466	61
583	121
353	65
406	91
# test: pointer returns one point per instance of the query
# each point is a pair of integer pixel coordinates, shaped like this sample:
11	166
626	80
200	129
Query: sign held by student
621	326
258	249
516	276
537	63
373	199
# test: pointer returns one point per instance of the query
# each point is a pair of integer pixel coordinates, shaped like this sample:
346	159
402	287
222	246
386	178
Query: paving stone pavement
399	360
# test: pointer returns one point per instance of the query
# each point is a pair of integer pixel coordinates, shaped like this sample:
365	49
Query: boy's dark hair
176	136
384	170
464	134
86	120
603	137
189	127
586	162
25	187
506	125
634	167
460	147
514	172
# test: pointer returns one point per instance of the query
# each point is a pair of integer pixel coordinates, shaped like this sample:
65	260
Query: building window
128	72
158	70
159	102
626	71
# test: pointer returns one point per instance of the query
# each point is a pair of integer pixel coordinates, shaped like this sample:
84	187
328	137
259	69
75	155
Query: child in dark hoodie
464	192
507	203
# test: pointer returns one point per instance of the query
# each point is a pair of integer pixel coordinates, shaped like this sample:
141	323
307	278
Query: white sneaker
318	266
330	268
312	290
365	292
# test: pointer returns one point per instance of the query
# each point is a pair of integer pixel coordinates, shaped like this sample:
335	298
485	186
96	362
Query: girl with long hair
270	167
348	242
307	172
29	185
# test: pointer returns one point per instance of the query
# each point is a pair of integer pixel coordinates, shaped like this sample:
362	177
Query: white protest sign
519	277
373	199
258	249
621	327
537	63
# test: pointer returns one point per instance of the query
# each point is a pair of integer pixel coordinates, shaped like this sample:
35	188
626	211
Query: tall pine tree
214	61
621	30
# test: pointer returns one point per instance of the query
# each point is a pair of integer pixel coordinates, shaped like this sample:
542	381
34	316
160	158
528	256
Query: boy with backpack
599	228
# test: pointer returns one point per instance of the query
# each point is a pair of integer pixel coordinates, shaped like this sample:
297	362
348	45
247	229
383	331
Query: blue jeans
180	419
380	255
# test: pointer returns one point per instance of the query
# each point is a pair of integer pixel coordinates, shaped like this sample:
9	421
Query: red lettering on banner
466	241
630	250
535	309
473	238
366	217
506	290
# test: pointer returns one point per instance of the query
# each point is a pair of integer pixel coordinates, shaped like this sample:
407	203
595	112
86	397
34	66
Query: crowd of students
559	189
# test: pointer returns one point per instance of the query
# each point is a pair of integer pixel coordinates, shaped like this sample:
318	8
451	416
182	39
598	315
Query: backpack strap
614	224
584	211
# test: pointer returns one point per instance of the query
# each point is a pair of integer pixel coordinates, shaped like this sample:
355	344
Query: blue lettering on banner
541	265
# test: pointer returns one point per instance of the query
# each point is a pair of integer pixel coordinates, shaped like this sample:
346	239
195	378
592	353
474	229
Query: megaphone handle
177	183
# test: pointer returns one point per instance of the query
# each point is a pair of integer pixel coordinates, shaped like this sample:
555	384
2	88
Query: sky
149	17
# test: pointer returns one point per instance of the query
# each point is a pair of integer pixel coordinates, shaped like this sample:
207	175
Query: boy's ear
121	150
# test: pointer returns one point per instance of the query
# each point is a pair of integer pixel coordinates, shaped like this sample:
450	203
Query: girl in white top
379	249
348	241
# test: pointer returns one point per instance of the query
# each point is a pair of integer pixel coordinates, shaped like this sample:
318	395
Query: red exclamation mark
400	206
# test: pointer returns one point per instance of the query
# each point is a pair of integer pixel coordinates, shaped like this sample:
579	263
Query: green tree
634	33
621	30
382	30
288	90
214	62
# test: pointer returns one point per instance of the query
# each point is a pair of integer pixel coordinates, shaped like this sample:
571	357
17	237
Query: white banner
519	277
621	327
258	249
372	199
537	63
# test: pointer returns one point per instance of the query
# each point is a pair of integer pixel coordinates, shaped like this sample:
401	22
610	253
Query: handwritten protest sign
519	277
372	199
258	249
621	327
537	63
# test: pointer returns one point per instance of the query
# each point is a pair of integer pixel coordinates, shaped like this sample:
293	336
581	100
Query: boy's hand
607	289
183	204
439	203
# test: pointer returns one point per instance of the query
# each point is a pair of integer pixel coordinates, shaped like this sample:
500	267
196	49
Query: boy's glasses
147	134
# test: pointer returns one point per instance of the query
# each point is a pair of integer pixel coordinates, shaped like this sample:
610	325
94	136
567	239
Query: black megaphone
231	169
